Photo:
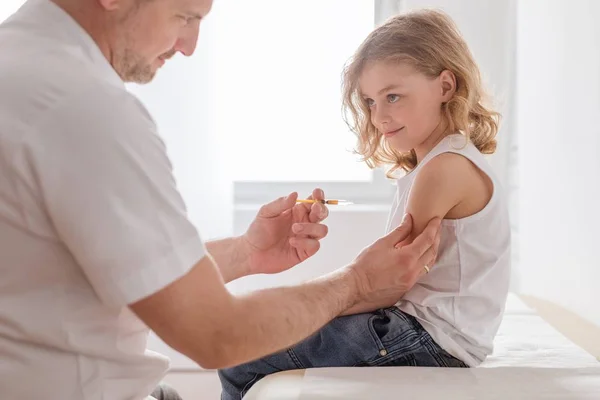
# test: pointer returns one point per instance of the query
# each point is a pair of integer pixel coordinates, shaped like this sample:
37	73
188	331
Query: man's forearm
197	316
230	257
271	320
364	307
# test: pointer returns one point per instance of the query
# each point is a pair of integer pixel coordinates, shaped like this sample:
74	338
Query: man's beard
128	64
133	68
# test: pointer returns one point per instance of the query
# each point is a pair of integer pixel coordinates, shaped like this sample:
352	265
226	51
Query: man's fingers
276	207
318	212
400	233
316	231
427	239
305	247
403	243
427	259
318	194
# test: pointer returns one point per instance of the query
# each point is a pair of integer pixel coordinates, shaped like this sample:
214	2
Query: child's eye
392	98
370	102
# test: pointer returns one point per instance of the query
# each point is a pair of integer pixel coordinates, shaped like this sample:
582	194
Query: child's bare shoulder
454	176
453	167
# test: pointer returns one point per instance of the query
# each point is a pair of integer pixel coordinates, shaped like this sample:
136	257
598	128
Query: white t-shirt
90	218
461	301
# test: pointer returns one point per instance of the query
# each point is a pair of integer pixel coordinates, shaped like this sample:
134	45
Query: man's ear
447	84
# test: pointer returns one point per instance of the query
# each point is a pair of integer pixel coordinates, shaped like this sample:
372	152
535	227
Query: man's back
55	325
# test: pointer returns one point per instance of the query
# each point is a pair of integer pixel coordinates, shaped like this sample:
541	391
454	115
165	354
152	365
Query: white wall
559	140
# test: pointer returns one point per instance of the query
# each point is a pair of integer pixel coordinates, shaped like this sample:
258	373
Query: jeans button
383	353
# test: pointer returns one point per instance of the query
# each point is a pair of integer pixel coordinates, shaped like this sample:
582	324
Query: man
95	243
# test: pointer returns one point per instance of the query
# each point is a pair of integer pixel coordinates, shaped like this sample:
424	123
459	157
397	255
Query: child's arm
440	187
447	186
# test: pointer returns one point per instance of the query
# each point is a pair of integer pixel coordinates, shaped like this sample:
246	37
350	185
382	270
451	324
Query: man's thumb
401	232
278	206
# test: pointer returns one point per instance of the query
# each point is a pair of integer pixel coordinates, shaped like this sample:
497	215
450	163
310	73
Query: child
414	92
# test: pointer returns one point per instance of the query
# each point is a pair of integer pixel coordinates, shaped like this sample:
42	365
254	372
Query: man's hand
390	267
284	234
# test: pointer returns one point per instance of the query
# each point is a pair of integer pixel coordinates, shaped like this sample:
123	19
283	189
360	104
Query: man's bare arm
231	257
198	317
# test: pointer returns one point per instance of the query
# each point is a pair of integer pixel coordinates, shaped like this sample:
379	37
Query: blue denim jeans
385	337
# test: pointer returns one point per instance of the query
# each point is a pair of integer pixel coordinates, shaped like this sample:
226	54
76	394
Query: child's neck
438	134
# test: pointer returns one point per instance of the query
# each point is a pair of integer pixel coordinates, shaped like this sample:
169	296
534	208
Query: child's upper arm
439	186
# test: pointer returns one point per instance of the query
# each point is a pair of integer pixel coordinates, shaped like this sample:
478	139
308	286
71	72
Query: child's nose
381	117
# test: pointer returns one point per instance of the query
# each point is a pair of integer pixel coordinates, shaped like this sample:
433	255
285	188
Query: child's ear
448	85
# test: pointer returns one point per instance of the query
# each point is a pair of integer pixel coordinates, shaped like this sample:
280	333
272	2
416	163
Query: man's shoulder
56	94
37	89
97	110
70	110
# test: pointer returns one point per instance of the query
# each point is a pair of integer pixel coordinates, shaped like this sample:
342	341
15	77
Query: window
279	67
279	76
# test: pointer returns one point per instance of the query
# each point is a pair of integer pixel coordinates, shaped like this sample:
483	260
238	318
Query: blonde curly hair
430	42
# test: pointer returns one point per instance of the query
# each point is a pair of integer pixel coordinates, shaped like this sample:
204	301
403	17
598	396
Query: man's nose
186	44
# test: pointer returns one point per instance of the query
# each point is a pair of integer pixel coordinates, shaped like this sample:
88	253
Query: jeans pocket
394	334
380	328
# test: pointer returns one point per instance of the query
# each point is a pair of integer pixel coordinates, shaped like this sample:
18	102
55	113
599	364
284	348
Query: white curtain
559	143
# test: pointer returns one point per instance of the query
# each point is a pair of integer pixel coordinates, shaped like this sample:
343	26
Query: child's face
405	104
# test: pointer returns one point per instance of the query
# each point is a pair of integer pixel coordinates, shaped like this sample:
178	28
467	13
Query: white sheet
507	383
531	360
526	340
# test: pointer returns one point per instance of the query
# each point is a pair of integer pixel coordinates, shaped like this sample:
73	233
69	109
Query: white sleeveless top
461	301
